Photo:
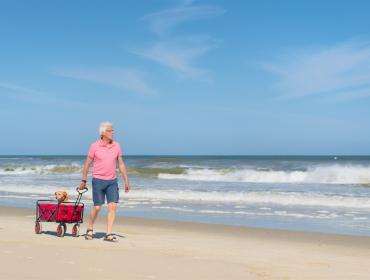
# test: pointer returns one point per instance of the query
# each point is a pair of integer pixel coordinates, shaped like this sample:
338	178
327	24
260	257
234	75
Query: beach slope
156	249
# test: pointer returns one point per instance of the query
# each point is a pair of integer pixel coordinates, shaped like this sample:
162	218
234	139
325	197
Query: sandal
89	236
113	238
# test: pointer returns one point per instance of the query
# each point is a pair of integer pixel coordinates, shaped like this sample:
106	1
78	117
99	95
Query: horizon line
204	155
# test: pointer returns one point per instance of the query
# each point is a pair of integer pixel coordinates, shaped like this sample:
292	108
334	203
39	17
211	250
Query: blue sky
186	77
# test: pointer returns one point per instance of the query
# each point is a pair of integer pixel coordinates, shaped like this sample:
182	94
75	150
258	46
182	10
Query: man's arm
122	168
84	172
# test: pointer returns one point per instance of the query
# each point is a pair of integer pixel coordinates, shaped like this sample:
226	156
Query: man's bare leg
112	207
93	215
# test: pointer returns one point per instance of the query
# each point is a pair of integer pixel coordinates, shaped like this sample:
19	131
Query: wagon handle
81	191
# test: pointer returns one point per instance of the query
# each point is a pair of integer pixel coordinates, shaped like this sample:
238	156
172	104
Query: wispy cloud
342	70
164	21
22	93
30	95
121	78
180	55
354	94
57	99
15	87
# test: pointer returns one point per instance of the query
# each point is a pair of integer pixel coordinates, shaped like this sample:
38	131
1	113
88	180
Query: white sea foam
143	196
248	213
321	174
333	174
23	197
35	192
174	208
280	198
41	169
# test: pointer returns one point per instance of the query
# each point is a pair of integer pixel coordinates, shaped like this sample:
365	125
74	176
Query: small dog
61	196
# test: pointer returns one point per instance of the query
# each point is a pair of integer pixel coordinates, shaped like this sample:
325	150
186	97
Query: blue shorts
105	188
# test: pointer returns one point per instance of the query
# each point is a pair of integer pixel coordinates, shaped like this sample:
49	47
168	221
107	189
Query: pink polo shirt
105	157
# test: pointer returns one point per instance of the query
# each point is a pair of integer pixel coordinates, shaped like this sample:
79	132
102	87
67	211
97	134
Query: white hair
103	127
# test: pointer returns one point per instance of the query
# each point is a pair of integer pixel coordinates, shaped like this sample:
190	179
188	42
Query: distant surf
318	193
329	174
321	174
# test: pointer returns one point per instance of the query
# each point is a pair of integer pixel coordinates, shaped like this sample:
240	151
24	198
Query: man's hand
82	185
127	188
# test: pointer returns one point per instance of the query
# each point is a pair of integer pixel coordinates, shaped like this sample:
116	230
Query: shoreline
299	194
236	230
162	249
238	227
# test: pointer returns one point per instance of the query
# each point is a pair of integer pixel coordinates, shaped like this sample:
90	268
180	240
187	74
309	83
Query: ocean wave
267	197
230	197
319	174
10	158
40	169
29	190
154	172
163	160
334	174
77	168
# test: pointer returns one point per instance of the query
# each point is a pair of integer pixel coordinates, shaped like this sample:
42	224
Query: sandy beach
158	249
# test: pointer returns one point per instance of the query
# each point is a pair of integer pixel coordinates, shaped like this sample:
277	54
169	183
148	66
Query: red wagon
61	213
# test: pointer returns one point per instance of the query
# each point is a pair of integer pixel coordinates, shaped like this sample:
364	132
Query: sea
329	194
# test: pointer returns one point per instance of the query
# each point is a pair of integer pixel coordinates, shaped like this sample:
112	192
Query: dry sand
156	249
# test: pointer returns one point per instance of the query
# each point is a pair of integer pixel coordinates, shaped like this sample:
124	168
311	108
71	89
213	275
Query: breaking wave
264	197
334	174
319	174
77	168
40	169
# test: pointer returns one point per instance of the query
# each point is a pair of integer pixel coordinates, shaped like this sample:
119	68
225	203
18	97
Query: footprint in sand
96	269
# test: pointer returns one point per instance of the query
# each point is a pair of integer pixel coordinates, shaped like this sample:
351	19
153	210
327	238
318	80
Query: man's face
109	132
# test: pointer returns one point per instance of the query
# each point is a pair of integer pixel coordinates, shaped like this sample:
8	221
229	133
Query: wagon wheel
37	227
76	230
60	230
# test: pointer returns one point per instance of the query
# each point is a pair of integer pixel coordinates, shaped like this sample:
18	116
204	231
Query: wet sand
159	249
